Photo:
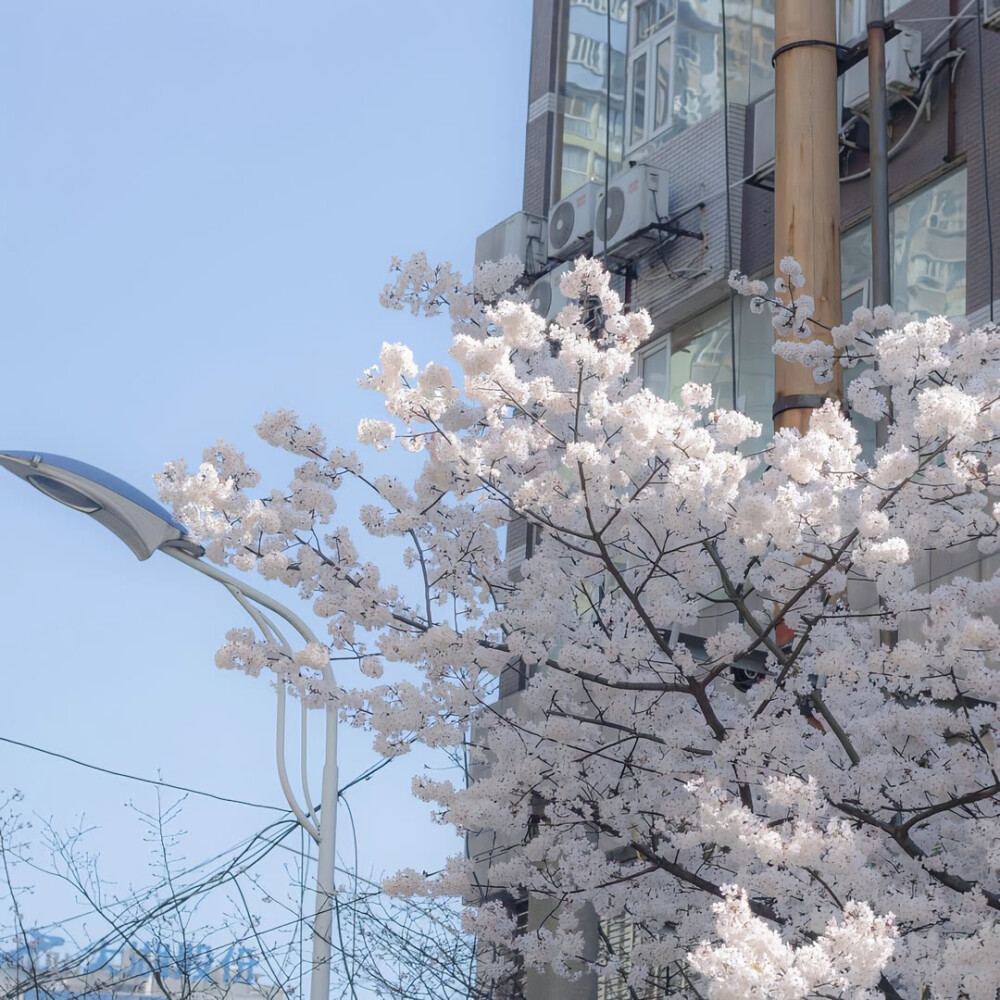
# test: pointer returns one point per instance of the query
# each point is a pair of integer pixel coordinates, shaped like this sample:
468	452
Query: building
38	967
665	109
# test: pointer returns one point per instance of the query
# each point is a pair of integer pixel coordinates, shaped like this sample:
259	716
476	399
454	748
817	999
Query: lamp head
140	522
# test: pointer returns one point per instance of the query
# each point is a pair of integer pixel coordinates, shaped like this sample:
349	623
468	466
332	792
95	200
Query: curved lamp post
146	527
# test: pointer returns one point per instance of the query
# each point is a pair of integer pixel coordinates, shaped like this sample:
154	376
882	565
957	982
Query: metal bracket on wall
851	53
666	227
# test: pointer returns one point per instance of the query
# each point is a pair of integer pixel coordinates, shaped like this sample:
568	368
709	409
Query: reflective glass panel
863	425
928	239
638	100
755	369
928	250
697	62
704	355
662	115
651	15
749	47
592	105
701	351
855	258
655	369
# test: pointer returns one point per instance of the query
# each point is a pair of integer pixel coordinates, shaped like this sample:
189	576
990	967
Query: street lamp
146	527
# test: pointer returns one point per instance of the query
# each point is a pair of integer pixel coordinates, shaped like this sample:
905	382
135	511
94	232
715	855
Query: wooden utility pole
807	186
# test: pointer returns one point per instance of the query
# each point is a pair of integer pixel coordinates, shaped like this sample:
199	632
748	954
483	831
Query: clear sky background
198	202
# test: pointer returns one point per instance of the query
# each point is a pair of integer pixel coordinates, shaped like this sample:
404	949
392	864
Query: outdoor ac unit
902	57
544	295
571	223
763	135
991	14
521	236
637	199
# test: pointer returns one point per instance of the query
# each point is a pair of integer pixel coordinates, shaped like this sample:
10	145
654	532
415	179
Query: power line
135	777
236	854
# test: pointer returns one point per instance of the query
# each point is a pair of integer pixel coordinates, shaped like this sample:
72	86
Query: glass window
855	258
662	112
638	133
575	167
865	426
701	350
675	66
592	93
650	16
755	368
705	358
654	367
928	241
928	250
749	46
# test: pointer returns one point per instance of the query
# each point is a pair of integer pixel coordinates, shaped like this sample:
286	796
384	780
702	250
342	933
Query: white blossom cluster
791	806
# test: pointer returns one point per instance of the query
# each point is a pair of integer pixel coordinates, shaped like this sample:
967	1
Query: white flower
376	432
698	397
945	410
742	284
732	429
885	317
492	278
865	398
873	524
663	572
789	266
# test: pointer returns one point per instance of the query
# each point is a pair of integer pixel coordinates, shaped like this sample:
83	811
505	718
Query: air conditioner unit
637	199
571	223
521	236
902	57
544	295
991	14
763	136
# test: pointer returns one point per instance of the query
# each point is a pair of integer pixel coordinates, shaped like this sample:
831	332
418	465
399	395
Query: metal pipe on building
878	145
878	128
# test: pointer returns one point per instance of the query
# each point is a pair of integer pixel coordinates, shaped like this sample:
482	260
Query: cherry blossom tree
801	803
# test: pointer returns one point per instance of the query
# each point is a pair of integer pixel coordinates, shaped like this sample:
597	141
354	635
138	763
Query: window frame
654	345
648	48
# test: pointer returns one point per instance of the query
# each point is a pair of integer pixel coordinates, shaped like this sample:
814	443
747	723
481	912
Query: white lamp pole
145	527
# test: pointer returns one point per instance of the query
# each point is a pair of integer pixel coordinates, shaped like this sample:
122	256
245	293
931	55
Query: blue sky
198	202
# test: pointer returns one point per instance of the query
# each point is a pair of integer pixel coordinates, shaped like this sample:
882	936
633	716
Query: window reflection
655	369
928	239
865	426
701	350
592	128
749	47
698	63
855	258
651	15
706	358
662	115
928	250
638	99
927	236
675	66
